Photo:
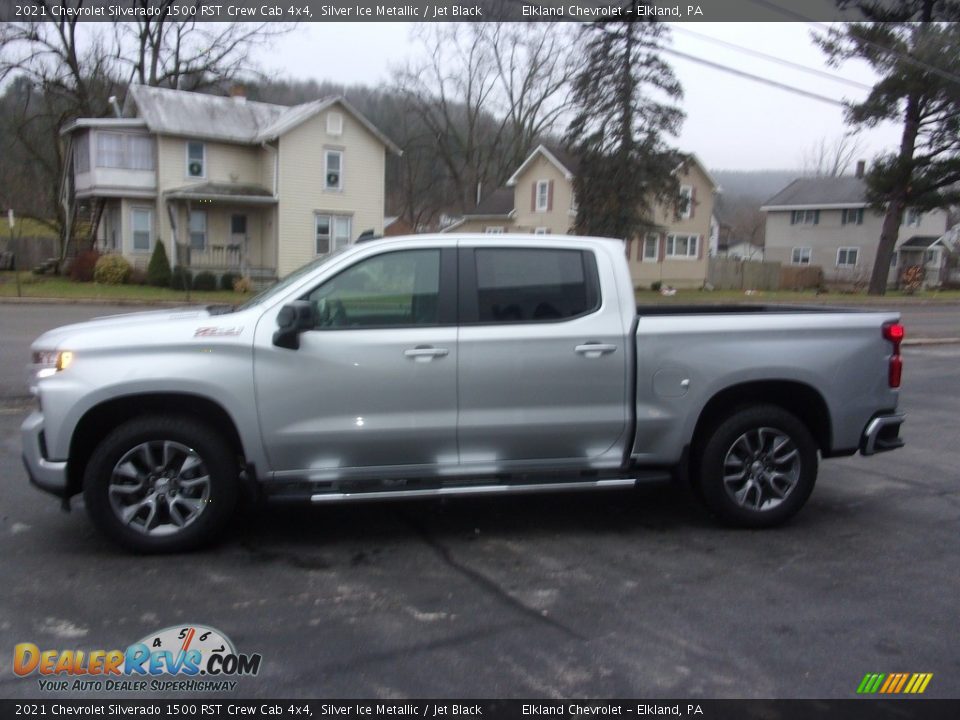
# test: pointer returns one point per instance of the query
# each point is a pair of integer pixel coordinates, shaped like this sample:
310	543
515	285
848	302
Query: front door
372	390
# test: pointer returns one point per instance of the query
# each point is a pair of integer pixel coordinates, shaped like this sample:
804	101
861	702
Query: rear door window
531	285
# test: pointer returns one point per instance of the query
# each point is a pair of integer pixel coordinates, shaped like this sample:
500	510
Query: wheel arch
797	398
98	421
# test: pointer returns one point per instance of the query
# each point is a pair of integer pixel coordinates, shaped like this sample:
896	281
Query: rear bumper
47	475
882	434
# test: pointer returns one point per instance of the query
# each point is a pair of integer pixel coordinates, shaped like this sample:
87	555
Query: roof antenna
116	106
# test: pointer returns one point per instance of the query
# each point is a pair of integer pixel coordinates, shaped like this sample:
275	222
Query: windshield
280	286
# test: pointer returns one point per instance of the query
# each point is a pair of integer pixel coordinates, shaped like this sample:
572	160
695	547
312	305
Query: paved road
621	594
21	324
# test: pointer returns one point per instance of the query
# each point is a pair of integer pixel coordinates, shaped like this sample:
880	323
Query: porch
222	228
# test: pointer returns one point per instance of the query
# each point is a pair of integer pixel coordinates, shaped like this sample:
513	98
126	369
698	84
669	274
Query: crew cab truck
452	365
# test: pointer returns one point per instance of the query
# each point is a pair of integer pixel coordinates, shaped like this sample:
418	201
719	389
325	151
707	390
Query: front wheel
758	467
161	484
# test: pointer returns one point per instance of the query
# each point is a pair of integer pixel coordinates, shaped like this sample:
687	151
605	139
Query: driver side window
395	289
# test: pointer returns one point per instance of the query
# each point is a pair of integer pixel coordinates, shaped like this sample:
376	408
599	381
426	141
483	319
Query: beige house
226	184
827	221
539	199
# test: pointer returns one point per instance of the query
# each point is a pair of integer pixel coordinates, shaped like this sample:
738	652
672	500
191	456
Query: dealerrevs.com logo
179	658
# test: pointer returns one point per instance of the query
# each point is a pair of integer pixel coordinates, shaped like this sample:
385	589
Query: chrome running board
465	490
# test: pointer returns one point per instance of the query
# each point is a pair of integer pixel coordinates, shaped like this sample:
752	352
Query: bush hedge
112	270
180	278
81	269
205	281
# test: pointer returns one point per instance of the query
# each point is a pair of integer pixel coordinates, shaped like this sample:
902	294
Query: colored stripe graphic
907	683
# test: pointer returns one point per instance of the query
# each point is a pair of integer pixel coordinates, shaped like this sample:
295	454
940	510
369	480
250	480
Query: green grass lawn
42	286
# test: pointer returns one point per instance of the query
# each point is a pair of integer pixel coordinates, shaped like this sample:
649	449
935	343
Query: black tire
747	449
209	501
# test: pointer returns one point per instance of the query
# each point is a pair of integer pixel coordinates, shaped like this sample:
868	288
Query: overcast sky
732	122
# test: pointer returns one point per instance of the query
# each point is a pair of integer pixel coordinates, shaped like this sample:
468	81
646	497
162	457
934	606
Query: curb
931	341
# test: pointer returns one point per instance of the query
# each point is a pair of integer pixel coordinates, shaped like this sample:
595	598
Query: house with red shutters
539	199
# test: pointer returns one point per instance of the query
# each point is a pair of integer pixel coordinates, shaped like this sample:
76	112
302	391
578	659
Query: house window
124	151
543	196
800	256
912	217
198	230
541	231
852	217
931	257
81	153
686	201
142	223
847	256
805	217
682	246
333	170
493	230
332	232
334	123
196	159
651	249
893	259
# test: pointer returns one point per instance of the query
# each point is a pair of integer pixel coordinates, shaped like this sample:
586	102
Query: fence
30	251
731	274
801	277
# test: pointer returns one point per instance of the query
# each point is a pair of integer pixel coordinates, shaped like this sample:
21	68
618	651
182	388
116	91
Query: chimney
861	168
238	92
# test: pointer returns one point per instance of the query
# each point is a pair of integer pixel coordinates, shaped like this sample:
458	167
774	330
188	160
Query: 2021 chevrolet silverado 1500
452	365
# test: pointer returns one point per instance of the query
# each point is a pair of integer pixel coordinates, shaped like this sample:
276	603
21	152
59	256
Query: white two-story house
228	184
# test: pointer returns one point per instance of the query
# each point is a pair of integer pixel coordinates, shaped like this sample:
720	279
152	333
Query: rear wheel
161	484
758	467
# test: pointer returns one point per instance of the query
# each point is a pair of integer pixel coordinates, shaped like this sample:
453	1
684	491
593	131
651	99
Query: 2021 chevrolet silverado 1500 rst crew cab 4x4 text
452	365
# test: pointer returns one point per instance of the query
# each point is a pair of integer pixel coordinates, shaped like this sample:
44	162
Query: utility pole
16	255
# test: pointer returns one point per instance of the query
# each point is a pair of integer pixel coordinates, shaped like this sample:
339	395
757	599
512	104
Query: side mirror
292	320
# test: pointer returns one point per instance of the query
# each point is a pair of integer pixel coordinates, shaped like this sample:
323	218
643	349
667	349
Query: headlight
50	362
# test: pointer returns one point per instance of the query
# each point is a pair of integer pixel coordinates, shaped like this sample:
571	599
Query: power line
755	78
793	15
773	58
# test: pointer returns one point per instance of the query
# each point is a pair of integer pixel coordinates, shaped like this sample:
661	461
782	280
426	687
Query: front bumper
47	475
882	434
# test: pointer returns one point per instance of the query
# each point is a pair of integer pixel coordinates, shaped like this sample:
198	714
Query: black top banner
427	11
216	709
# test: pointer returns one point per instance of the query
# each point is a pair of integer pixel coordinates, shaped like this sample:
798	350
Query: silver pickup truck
452	365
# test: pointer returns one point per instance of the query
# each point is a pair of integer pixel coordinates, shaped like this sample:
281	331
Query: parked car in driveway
450	365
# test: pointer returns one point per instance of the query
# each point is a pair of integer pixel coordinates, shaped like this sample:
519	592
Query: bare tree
486	92
188	55
830	158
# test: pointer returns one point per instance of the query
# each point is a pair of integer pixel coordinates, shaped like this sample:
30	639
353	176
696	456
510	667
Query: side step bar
468	490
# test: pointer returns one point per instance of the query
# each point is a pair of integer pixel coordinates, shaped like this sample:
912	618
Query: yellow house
538	198
228	185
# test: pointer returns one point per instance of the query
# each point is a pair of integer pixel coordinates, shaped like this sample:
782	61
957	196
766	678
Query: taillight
894	332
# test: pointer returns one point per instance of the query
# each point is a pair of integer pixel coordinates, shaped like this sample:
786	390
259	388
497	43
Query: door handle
425	353
594	350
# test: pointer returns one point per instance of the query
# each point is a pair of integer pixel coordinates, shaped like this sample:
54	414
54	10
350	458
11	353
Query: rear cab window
527	285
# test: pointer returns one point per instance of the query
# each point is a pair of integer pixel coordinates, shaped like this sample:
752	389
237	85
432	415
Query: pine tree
158	271
917	57
623	99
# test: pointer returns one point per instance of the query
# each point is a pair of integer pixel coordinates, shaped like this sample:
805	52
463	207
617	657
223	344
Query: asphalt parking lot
622	594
